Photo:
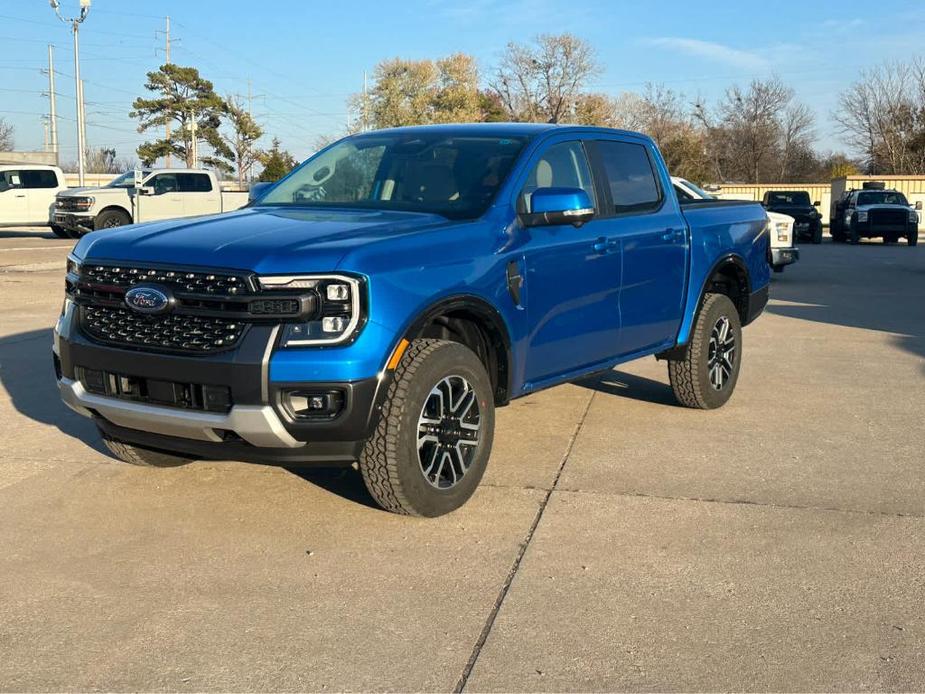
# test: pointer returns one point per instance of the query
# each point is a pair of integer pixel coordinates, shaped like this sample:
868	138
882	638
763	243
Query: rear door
14	207
642	215
572	277
41	186
199	195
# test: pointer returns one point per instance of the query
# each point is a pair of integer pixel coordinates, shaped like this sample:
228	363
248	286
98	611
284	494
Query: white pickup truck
27	194
783	252
163	194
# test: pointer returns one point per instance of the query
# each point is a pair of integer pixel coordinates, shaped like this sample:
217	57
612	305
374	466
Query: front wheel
705	378
110	219
60	232
817	235
778	268
434	436
913	238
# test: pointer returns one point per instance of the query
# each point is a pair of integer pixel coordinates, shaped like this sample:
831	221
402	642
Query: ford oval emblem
147	300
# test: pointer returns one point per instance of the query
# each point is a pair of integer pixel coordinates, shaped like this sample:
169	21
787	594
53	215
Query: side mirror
146	190
553	206
817	203
257	190
918	204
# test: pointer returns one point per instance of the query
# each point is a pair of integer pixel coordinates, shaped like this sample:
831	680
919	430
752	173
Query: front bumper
73	220
784	256
255	427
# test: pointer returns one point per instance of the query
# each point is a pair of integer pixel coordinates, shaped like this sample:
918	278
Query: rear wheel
110	219
706	377
434	437
145	457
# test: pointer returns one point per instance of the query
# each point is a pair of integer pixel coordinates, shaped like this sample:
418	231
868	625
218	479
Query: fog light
303	404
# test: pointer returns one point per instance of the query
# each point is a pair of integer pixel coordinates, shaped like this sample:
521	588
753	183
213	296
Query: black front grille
196	282
172	332
891	218
69	204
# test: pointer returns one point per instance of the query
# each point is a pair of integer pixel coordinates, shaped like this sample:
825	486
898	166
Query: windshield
882	197
456	177
126	180
796	198
704	195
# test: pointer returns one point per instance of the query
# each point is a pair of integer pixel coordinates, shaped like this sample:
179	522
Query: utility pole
52	103
75	24
45	137
167	55
364	125
83	117
193	154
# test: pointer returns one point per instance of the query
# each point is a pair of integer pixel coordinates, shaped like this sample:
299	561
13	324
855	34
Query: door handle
673	234
20	196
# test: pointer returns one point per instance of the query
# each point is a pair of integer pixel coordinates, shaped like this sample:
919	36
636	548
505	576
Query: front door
653	240
166	201
572	277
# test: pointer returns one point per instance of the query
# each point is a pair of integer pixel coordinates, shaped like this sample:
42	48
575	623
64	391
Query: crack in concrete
515	567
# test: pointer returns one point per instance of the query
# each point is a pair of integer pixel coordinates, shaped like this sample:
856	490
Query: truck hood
89	190
794	210
262	239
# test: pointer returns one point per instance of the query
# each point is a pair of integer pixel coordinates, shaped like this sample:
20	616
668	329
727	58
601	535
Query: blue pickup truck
376	305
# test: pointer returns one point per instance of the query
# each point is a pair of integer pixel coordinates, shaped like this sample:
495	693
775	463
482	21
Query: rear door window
194	183
629	175
38	178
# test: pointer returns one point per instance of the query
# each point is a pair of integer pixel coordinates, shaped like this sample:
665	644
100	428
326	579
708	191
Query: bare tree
882	115
796	136
544	81
6	136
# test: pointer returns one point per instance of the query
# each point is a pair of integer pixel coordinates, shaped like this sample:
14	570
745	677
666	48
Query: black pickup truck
874	211
796	203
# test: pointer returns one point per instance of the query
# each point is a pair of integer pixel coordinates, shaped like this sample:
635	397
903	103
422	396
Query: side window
10	179
683	195
194	183
563	165
39	178
164	183
630	176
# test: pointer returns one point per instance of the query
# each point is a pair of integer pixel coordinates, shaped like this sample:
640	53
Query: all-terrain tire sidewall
690	377
143	457
425	363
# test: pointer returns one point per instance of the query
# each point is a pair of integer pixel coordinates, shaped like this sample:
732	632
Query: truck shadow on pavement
630	386
27	375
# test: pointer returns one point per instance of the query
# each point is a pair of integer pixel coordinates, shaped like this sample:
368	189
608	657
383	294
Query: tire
778	268
145	457
60	232
838	237
110	219
913	239
853	237
407	474
817	235
690	377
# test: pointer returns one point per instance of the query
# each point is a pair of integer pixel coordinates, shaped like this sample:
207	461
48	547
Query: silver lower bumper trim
259	425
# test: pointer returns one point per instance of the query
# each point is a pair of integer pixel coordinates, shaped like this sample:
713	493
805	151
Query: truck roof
20	167
502	129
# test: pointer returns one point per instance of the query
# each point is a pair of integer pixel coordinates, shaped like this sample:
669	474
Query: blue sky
304	58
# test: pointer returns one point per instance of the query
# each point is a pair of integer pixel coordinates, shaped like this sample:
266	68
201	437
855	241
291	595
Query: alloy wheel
722	353
448	432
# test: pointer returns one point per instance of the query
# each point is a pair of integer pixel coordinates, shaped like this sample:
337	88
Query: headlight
862	215
783	231
913	216
73	265
339	313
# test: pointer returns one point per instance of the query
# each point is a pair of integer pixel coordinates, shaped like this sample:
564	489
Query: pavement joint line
744	502
515	566
32	248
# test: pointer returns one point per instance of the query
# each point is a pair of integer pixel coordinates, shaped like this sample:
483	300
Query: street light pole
75	24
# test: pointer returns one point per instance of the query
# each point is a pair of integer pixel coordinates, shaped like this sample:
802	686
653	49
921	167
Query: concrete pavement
618	542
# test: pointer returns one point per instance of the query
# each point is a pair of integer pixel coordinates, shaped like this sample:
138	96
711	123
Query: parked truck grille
175	332
889	218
